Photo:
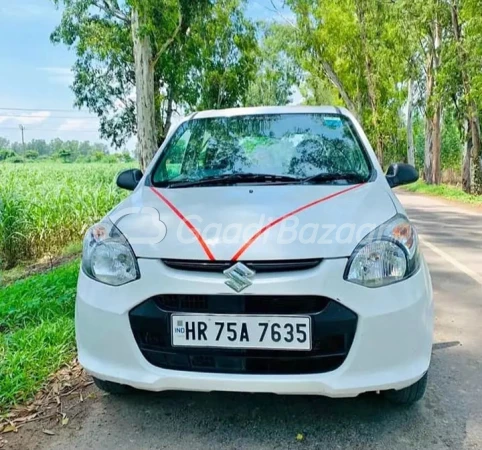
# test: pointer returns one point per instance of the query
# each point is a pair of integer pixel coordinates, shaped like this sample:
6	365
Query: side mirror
129	179
400	173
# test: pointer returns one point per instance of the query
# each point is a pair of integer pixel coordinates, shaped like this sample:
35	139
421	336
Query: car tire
410	394
112	388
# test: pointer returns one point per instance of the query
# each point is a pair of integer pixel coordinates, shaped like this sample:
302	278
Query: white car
262	250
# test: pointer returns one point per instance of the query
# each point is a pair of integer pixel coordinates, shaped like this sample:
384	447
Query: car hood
251	223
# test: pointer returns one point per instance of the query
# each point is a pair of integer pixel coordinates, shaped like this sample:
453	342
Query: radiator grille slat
242	304
257	266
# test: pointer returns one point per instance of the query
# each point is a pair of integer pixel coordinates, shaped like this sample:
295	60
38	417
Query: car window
299	145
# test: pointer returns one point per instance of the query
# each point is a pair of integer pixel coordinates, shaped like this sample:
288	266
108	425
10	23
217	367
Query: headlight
386	255
107	256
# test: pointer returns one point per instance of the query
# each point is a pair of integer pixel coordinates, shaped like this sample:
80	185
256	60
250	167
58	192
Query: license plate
241	331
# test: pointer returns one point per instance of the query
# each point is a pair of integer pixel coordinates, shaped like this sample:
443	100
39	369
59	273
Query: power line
51	130
39	109
16	116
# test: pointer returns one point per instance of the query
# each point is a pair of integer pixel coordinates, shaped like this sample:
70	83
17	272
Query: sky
35	74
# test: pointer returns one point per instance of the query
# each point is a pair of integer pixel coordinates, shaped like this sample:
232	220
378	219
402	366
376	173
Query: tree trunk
433	114
437	143
145	91
332	76
466	180
433	143
471	129
159	119
370	79
477	180
169	111
428	155
410	139
379	147
437	140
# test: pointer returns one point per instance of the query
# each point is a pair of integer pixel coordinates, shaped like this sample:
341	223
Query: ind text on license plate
241	331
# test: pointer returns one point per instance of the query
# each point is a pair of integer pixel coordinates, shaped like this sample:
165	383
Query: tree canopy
409	70
202	55
62	150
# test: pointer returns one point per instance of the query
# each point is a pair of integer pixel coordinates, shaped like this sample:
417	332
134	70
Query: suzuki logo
239	277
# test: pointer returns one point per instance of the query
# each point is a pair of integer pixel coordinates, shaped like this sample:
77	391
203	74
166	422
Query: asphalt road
449	417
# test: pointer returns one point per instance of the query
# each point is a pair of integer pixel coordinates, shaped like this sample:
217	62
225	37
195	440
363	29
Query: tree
103	30
326	39
97	156
124	157
4	143
424	24
433	105
460	77
146	25
473	46
277	73
17	147
65	155
410	138
225	56
6	153
137	62
38	145
78	151
31	154
319	91
358	46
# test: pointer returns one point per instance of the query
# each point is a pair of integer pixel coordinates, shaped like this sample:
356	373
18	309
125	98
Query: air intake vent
257	266
242	304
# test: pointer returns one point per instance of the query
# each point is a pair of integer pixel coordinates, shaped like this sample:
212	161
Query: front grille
257	266
242	304
333	331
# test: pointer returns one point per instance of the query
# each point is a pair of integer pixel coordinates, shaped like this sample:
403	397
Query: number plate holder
241	331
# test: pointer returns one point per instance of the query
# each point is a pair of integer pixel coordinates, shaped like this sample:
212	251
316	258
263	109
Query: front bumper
391	348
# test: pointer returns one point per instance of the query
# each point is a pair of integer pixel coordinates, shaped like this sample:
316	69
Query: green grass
36	332
45	209
46	206
445	191
22	271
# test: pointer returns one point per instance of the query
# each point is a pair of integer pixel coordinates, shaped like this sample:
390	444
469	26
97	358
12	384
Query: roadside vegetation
44	211
36	332
58	150
45	207
445	191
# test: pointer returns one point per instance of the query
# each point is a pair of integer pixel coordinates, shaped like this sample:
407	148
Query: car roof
249	111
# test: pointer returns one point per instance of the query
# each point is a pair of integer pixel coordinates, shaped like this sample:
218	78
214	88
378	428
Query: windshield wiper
329	177
233	178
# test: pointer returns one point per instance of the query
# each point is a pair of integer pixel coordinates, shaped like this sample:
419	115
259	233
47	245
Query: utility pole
22	129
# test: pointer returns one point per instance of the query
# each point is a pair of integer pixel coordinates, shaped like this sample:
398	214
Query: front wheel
112	388
410	394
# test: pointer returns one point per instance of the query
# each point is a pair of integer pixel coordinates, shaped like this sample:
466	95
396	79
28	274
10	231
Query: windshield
288	145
